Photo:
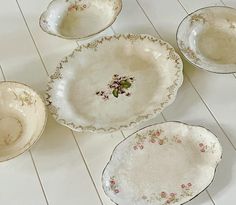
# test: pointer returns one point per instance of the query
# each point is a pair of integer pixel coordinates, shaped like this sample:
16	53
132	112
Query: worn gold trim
170	92
42	21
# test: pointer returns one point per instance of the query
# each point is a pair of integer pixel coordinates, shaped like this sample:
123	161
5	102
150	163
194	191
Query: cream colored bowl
22	119
207	39
76	19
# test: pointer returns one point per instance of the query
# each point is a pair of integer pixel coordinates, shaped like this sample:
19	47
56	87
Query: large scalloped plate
114	83
163	164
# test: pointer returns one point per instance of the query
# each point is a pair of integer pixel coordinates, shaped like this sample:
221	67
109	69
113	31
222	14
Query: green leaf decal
115	92
125	84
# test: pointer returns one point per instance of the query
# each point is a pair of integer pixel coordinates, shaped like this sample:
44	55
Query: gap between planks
191	85
31	155
45	69
115	32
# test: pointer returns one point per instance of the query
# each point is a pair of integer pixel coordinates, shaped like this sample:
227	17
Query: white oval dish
168	163
22	119
114	83
207	39
78	19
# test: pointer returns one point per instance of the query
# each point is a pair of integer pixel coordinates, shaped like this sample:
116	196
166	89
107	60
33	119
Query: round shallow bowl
114	83
207	38
168	163
78	19
22	119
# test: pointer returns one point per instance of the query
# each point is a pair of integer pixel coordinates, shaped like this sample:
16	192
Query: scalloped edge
169	98
188	125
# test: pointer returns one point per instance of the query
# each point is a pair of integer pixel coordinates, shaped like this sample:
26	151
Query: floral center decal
77	5
119	85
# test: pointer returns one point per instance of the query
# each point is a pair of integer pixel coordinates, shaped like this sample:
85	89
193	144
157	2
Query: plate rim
154	124
177	40
170	94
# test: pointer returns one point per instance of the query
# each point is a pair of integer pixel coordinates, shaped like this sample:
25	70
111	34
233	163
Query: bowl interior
79	18
22	119
208	39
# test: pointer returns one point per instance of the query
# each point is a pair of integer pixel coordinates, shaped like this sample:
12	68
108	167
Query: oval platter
168	163
207	39
114	83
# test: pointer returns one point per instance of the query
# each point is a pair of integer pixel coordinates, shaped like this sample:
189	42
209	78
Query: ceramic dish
77	19
114	83
22	119
207	38
168	163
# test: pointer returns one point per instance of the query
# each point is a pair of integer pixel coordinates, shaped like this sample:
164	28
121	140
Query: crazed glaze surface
22	119
76	19
207	38
168	163
114	83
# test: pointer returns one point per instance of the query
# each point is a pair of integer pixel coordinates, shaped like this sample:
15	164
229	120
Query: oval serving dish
114	83
207	39
78	19
22	119
168	163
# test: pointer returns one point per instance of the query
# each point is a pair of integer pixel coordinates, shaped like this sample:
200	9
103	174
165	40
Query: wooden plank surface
65	167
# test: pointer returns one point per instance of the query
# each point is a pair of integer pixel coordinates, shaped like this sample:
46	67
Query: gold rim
84	37
170	93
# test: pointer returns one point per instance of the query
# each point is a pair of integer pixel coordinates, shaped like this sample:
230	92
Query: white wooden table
64	168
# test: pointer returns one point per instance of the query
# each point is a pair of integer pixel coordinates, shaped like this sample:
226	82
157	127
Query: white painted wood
51	48
67	176
19	182
61	168
136	20
1	75
193	5
97	149
18	56
231	3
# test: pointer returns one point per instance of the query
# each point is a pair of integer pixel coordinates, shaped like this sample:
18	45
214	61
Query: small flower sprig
113	185
119	85
77	6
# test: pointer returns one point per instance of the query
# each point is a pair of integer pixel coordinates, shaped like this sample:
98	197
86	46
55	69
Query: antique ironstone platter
22	119
78	19
168	163
114	82
207	38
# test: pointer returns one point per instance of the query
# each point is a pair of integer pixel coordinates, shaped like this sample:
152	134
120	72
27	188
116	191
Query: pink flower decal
113	185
